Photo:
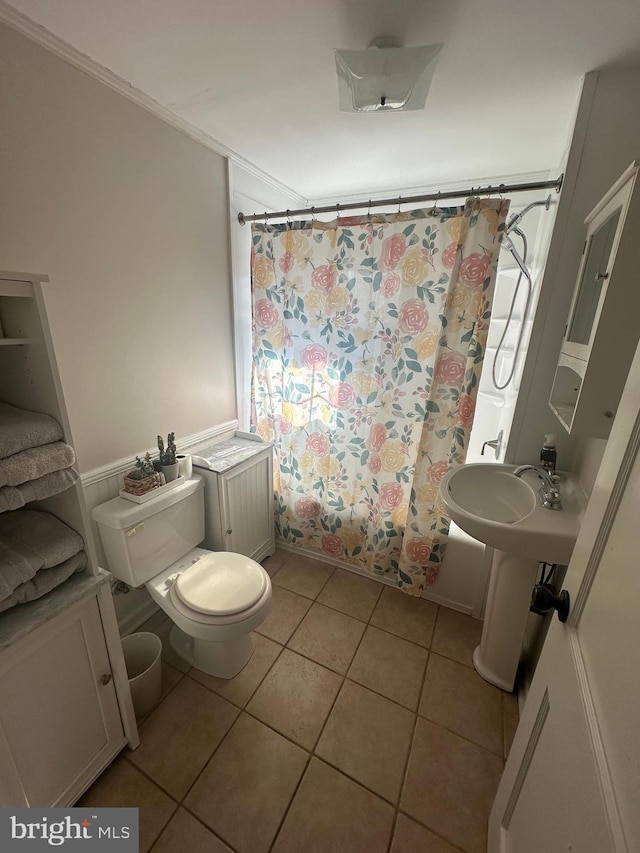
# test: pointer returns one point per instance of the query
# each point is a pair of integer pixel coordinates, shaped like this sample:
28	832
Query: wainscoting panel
102	484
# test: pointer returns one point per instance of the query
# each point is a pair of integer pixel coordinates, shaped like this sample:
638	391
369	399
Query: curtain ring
501	189
435	204
337	211
266	221
369	210
399	202
313	214
288	219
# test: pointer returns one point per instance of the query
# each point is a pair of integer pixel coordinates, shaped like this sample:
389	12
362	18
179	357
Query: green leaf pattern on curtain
368	338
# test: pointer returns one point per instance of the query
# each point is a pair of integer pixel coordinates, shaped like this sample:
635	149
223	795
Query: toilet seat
165	586
221	584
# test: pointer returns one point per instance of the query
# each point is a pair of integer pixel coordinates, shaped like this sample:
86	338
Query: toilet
215	599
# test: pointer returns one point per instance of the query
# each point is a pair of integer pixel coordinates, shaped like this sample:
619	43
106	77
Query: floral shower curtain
368	340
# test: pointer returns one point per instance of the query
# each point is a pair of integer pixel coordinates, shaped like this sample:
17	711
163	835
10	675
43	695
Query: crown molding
44	37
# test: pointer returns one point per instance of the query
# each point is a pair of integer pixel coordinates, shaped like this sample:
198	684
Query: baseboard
322	558
132	621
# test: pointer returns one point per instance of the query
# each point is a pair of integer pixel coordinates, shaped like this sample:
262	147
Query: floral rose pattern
318	444
414	317
308	508
368	340
392	250
314	356
474	268
324	277
265	314
450	368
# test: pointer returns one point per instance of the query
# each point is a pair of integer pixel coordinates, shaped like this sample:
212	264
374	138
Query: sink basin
490	492
493	505
504	511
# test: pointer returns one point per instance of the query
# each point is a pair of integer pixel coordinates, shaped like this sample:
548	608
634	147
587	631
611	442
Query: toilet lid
221	583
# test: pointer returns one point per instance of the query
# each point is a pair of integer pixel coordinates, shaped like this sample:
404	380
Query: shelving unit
65	703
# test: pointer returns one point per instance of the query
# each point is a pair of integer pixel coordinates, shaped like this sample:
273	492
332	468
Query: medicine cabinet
603	327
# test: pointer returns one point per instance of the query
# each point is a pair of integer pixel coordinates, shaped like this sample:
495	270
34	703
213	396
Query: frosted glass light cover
385	78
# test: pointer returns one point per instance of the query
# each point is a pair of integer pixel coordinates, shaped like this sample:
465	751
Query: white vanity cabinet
602	331
239	503
60	721
65	702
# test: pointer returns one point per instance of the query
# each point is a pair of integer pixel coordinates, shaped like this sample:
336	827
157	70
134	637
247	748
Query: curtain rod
414	199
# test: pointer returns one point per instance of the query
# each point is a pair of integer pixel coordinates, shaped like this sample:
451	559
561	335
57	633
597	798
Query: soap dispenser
548	453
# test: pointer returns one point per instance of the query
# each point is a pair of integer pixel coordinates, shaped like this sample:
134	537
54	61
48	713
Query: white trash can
142	656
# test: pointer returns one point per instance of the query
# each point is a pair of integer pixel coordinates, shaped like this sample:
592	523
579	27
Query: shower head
518	217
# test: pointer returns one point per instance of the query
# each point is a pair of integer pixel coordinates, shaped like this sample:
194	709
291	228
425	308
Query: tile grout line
208	828
313	753
344	677
292	798
413	735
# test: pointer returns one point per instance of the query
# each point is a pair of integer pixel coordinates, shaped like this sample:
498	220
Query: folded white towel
21	429
35	462
31	531
50	484
10	498
17	566
15	497
44	581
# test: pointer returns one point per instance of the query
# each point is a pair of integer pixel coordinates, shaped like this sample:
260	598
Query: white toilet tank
140	540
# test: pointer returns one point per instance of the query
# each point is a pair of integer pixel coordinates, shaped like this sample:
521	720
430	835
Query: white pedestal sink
505	512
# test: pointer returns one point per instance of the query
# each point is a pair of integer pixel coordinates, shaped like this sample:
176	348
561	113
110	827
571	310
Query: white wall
606	141
248	194
129	218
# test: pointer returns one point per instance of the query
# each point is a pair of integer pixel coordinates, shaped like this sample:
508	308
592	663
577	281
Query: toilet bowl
214	598
213	612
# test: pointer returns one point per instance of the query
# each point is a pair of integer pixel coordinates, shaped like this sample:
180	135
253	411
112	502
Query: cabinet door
595	271
602	330
247	499
59	720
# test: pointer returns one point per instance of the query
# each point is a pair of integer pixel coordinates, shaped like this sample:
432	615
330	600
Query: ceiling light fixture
385	76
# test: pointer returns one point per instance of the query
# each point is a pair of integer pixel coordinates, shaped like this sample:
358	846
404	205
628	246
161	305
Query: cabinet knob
229	531
106	678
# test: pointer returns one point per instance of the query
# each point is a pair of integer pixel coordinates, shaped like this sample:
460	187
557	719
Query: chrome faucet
549	492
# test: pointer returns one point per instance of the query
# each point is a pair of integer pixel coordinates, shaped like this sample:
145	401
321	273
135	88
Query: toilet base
222	660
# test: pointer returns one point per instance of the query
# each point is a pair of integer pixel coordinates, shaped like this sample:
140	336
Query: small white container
185	465
142	657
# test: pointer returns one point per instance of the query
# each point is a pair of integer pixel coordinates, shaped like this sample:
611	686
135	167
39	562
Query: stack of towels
37	553
34	462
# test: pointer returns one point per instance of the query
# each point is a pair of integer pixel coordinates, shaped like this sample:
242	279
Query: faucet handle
496	444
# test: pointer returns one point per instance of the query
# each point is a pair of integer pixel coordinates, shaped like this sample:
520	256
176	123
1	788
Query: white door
572	780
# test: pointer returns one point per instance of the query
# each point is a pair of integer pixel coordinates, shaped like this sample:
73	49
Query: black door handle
544	599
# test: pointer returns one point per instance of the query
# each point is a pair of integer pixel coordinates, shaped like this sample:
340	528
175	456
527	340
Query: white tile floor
358	725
